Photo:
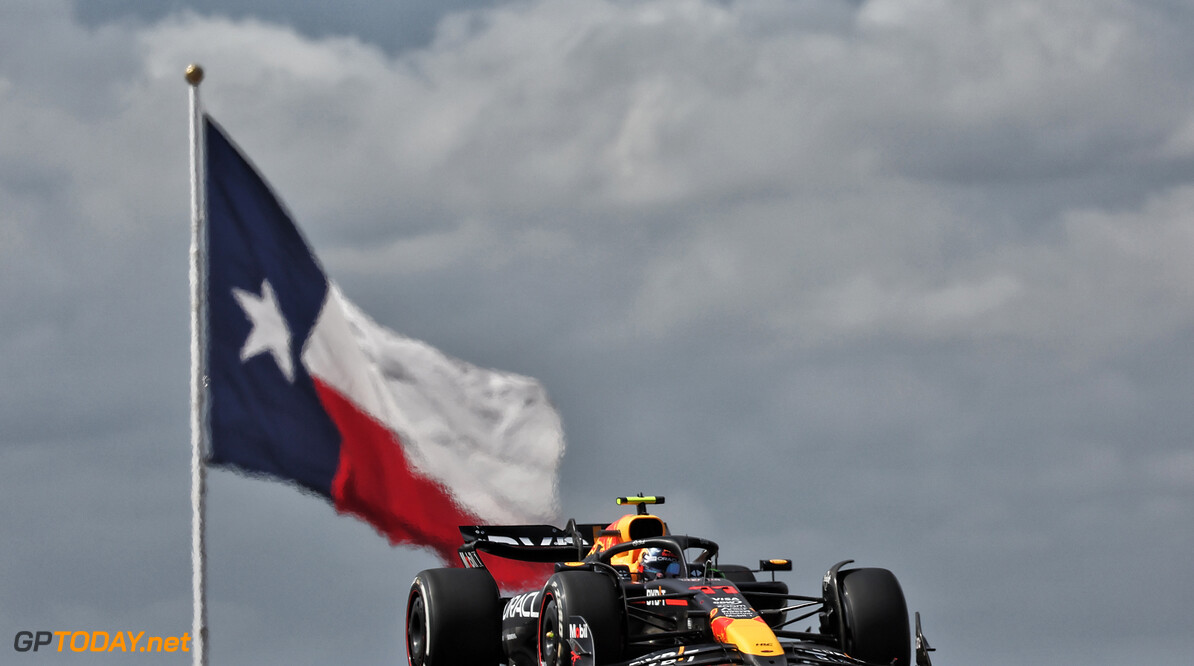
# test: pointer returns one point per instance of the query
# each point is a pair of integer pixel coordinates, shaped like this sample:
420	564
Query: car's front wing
715	654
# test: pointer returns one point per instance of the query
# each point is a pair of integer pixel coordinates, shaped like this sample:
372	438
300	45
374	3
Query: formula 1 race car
632	593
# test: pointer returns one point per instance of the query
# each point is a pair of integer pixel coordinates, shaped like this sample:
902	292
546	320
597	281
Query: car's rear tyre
593	596
875	616
453	617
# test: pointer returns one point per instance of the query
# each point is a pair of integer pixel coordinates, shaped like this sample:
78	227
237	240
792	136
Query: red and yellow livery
606	606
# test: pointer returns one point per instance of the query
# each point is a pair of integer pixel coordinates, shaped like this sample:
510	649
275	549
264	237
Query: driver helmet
659	563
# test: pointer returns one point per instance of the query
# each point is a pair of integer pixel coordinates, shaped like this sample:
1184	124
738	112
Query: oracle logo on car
522	605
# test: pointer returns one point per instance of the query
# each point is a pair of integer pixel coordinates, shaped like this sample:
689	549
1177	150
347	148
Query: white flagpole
198	279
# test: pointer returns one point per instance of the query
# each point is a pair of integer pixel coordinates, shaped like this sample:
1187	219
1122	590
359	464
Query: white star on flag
270	332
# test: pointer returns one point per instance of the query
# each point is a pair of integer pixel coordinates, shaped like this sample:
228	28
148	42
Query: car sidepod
520	628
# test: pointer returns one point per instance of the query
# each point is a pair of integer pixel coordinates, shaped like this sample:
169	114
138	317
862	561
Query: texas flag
305	387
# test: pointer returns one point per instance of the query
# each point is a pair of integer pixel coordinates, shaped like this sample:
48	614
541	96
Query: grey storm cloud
905	281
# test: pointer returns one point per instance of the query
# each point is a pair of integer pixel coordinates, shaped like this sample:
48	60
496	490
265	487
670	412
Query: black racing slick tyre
453	617
593	596
875	616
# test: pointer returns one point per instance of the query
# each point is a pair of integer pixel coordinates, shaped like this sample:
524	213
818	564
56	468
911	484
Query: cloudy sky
903	281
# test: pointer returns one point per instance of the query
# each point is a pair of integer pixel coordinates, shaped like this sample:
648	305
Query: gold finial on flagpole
194	74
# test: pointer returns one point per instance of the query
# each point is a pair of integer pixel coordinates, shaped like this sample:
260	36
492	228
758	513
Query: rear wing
528	543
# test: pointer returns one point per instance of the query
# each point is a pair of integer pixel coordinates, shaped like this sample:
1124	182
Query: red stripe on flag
376	483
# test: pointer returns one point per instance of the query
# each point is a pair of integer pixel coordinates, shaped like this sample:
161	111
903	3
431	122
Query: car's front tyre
875	616
590	595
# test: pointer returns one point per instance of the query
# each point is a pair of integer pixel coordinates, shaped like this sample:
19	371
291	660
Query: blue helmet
659	563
